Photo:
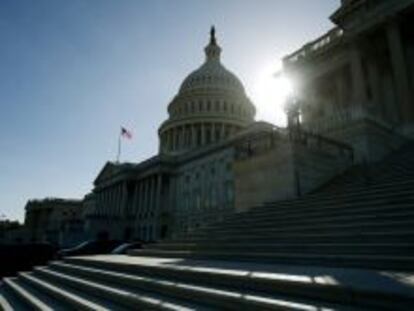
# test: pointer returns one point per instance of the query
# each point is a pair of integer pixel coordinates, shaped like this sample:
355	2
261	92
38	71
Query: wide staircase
364	218
347	246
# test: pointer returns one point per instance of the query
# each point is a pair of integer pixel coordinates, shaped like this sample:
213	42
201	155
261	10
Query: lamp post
292	110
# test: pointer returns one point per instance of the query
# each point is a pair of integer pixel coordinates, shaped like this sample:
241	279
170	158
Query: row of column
195	135
366	82
146	204
399	73
112	200
206	106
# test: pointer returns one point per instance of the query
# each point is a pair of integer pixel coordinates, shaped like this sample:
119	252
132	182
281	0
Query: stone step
345	213
357	176
386	213
216	297
304	205
119	295
404	263
322	248
342	286
390	193
362	226
361	188
9	301
292	237
67	298
27	296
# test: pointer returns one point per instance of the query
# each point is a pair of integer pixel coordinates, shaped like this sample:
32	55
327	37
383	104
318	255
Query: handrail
263	142
325	40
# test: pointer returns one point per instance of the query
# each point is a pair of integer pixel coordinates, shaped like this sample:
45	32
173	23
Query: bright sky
72	72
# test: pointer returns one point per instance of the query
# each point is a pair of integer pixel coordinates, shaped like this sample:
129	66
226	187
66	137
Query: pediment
109	170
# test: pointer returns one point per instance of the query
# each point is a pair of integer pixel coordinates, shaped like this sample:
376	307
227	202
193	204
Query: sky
73	72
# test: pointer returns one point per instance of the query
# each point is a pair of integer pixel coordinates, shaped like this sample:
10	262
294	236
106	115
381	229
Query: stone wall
268	176
371	142
279	167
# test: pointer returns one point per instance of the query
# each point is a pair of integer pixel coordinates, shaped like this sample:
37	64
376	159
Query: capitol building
192	179
351	105
249	216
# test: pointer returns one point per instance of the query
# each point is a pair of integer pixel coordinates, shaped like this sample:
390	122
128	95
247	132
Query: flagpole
119	148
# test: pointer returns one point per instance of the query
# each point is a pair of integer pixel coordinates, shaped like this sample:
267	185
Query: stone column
223	131
109	201
203	134
133	207
377	101
180	137
106	204
124	198
193	136
172	139
213	132
340	90
145	201
168	144
157	224
399	69
359	97
141	197
113	199
175	147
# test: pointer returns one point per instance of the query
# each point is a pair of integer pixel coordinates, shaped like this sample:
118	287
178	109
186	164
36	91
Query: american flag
126	133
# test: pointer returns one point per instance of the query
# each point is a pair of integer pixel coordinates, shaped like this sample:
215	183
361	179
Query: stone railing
315	46
263	142
258	143
342	118
321	143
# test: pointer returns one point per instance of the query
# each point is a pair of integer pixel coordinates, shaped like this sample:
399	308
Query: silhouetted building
355	83
54	220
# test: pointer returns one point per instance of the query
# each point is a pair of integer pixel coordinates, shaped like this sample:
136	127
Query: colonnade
188	136
146	203
111	200
143	204
366	79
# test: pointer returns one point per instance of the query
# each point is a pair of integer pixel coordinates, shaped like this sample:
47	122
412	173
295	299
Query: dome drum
188	136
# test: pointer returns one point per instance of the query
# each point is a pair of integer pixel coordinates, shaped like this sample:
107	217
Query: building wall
264	177
284	165
204	190
358	80
49	220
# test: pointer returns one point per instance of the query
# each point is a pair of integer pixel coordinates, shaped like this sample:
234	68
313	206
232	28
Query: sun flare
270	94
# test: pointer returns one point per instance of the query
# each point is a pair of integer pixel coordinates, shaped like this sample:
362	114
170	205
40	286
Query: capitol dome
211	75
211	105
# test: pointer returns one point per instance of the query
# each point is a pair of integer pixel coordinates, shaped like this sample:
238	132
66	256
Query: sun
270	93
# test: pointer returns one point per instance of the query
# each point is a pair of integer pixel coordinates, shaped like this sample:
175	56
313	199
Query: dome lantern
212	50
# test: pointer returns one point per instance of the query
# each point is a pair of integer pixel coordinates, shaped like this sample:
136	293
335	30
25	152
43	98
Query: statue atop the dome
212	49
213	35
